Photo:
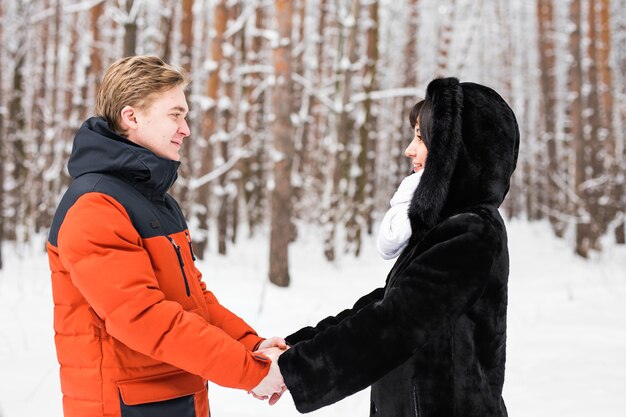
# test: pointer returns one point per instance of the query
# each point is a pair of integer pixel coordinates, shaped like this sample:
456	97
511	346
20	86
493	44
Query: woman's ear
129	119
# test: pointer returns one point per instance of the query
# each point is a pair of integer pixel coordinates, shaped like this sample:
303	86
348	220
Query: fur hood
473	152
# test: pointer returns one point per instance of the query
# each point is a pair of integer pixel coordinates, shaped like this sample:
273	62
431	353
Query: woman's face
416	151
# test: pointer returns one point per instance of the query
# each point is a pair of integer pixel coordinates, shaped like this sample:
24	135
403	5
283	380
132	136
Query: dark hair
422	111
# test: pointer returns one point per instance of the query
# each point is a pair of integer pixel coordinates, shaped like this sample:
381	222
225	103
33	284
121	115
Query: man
137	331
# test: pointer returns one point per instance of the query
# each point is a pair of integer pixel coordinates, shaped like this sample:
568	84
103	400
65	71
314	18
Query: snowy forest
299	109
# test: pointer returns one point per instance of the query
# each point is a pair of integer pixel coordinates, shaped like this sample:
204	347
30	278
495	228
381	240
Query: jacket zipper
181	263
190	247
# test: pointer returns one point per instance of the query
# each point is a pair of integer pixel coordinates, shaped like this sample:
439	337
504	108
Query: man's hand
273	385
276	396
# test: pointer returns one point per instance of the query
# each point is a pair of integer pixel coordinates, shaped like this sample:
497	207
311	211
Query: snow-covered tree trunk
403	136
575	118
16	125
596	155
547	66
344	128
369	134
252	164
2	133
184	53
446	30
361	217
130	28
228	114
204	144
282	132
609	135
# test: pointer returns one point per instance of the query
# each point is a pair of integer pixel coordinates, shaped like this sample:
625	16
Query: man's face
161	126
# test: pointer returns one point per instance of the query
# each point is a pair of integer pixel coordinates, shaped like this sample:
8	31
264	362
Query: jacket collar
97	149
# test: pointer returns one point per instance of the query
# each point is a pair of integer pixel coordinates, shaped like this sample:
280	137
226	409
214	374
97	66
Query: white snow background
566	323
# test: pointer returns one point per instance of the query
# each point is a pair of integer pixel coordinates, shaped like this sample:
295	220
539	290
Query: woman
431	342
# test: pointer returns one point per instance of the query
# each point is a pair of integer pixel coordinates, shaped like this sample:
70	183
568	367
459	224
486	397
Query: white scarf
395	228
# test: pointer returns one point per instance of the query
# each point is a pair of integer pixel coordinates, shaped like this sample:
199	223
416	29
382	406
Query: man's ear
128	119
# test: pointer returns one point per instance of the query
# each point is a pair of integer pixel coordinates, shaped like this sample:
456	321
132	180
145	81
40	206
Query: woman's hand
275	341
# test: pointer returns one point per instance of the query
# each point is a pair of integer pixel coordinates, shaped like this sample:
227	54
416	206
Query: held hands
273	385
275	341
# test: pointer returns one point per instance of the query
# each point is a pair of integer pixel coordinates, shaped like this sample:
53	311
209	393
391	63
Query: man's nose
184	128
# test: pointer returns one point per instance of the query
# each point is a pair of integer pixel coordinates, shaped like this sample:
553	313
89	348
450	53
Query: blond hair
134	81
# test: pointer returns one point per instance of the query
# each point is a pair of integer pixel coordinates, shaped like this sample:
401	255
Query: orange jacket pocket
159	387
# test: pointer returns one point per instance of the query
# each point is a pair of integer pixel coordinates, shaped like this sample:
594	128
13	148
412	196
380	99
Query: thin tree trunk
16	124
69	106
302	100
372	119
547	64
595	155
167	23
222	213
363	203
575	77
130	31
220	17
44	159
445	38
2	137
184	193
606	116
282	131
251	165
229	145
400	168
316	107
344	129
186	28
95	69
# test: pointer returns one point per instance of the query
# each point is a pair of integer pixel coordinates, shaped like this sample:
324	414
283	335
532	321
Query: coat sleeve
421	301
309	332
112	270
228	321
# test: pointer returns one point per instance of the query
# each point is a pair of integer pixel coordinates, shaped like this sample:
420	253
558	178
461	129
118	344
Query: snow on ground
566	337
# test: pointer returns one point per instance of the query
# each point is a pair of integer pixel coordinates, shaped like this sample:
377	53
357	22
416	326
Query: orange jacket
136	328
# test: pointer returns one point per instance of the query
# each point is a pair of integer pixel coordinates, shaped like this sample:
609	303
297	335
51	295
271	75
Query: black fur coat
432	341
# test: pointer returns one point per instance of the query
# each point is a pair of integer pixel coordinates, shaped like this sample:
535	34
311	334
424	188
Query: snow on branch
238	24
238	153
325	100
216	173
82	6
384	94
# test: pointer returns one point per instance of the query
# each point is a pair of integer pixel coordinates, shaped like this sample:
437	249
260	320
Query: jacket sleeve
309	332
112	270
228	321
421	301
